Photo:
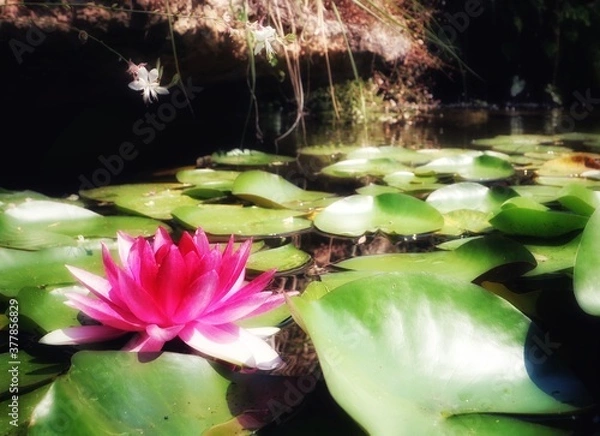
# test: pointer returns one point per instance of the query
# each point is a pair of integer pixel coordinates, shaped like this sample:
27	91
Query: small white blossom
263	39
148	83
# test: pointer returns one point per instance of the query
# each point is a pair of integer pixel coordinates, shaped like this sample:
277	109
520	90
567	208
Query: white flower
148	83
263	37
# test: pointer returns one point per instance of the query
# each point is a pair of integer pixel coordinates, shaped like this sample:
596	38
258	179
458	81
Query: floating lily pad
553	256
579	199
471	166
539	193
327	150
156	205
115	392
379	342
19	269
409	182
271	190
528	218
40	224
225	220
285	258
403	155
489	256
247	157
32	371
110	193
586	273
515	140
469	195
461	221
206	177
355	168
43	310
541	151
398	214
570	165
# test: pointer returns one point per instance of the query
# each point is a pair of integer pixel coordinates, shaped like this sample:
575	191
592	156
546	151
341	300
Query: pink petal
171	281
124	242
81	335
103	312
255	304
197	298
140	302
142	265
231	343
161	239
143	343
233	266
99	286
163	334
251	288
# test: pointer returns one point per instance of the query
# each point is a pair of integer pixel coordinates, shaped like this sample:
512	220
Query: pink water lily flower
192	291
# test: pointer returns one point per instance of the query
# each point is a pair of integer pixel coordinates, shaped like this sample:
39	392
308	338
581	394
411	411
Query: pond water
442	305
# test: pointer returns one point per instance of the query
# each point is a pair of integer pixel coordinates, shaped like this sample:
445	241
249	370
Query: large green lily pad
391	213
356	168
115	392
470	166
271	190
586	273
522	216
225	220
486	258
413	353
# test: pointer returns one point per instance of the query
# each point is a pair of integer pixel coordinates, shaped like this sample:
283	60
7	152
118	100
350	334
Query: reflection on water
444	128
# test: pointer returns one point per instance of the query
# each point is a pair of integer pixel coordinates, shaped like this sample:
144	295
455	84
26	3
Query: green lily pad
327	150
540	193
533	219
157	205
285	258
225	220
44	310
481	258
208	178
461	221
553	256
116	392
373	189
40	224
561	181
32	372
207	183
469	195
398	214
403	155
20	269
379	342
515	140
579	199
570	165
586	273
110	193
407	181
356	168
543	151
470	166
271	190
247	157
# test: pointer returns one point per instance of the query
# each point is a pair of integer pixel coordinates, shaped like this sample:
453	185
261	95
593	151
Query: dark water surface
101	145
